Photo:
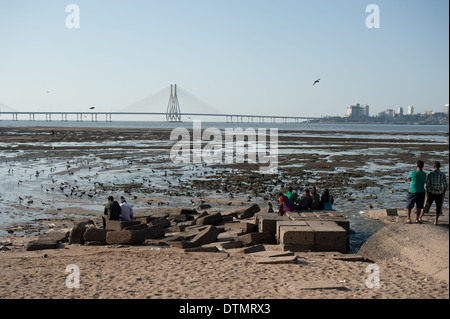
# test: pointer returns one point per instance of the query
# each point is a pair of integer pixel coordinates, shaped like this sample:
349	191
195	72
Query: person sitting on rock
284	204
112	211
126	211
305	201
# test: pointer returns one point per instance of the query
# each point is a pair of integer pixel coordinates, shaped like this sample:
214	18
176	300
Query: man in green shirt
292	196
416	195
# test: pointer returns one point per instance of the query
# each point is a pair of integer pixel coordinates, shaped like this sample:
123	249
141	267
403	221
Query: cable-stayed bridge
143	108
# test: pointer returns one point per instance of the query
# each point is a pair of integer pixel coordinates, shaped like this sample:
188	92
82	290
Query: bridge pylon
173	113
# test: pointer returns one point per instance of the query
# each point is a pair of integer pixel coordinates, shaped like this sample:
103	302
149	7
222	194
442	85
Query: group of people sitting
310	200
115	211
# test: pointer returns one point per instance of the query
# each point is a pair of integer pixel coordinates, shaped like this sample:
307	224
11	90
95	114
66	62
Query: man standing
436	185
416	195
112	211
126	210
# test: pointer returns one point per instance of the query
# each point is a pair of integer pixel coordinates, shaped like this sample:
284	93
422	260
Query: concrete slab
277	260
297	235
287	223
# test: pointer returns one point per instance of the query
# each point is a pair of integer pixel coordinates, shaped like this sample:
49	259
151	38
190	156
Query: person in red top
284	204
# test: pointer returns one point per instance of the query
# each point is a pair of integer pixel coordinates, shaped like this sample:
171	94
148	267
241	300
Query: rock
95	234
125	237
231	244
188	211
154	232
83	223
256	238
163	221
243	226
76	236
203	206
120	224
60	236
136	227
206	236
249	212
40	244
210	219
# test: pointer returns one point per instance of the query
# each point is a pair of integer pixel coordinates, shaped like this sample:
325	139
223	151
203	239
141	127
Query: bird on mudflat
316	81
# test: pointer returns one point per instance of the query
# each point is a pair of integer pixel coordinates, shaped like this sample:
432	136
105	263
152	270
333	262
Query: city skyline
254	57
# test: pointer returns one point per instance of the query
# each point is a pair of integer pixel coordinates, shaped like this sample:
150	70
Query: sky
237	56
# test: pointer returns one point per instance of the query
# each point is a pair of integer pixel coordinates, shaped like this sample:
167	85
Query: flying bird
92	107
316	81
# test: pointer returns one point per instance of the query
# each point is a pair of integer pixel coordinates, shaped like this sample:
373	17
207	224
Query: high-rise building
410	110
446	109
400	111
357	110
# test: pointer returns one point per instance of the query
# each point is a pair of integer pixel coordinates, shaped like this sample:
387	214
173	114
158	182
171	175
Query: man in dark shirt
305	201
112	211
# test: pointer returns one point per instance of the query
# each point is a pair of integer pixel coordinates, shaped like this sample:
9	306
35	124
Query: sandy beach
82	168
136	272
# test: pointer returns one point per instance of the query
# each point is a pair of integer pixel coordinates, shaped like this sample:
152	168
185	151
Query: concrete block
206	236
210	219
268	222
256	238
40	244
249	212
163	221
243	226
95	234
287	223
125	237
154	232
76	236
297	235
120	224
328	236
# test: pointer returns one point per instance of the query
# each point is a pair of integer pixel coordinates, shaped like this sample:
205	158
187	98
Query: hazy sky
243	56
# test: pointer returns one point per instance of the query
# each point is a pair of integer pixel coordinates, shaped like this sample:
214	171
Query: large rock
163	221
77	232
206	236
421	247
120	224
61	236
210	219
125	237
40	244
154	232
256	238
329	236
250	211
95	234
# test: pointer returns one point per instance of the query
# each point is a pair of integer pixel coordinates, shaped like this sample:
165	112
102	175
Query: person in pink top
284	204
